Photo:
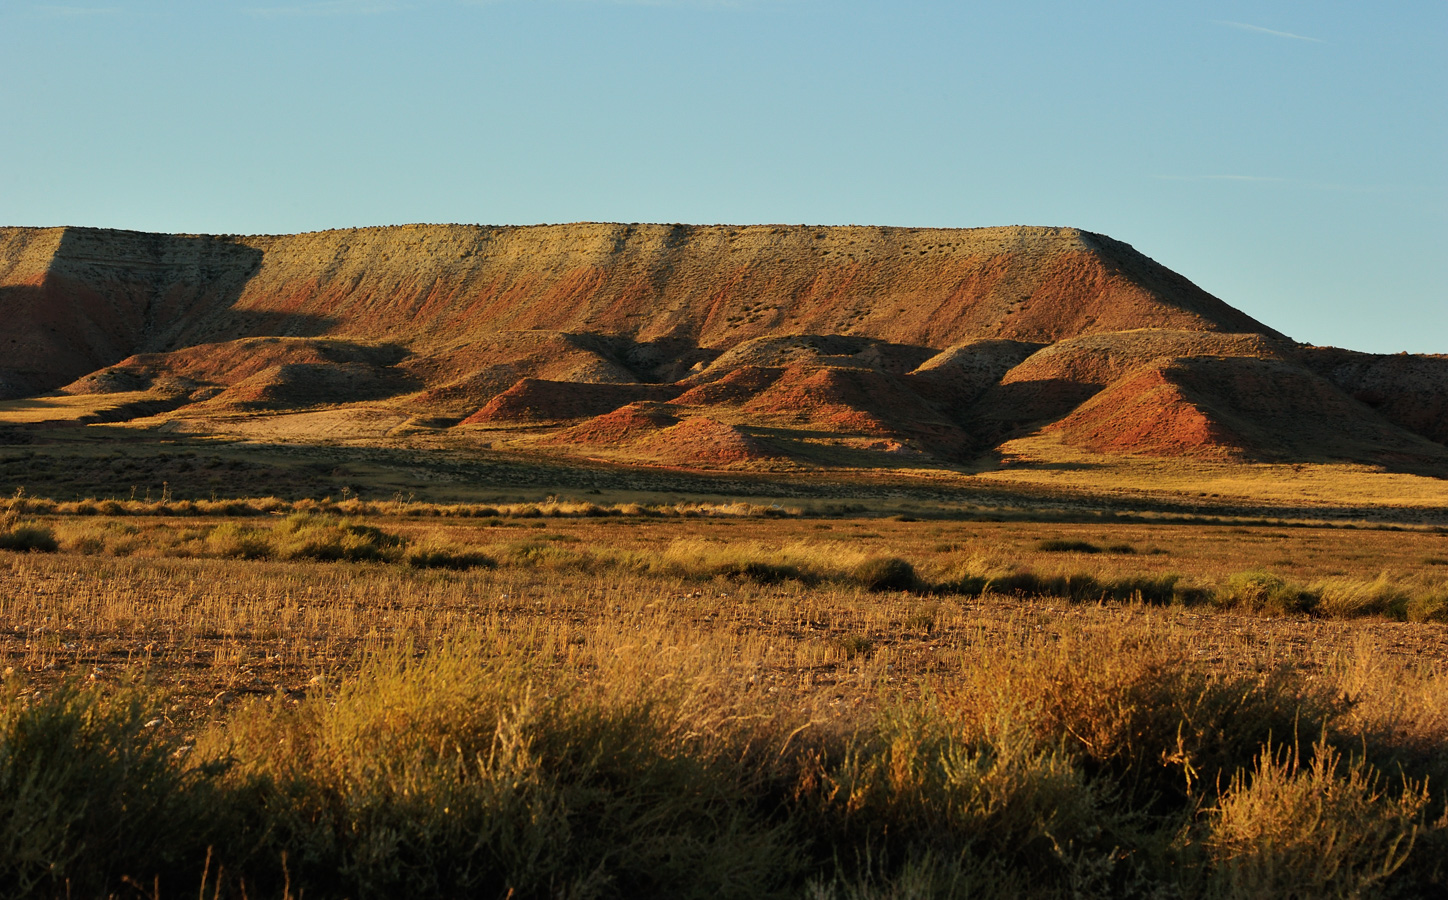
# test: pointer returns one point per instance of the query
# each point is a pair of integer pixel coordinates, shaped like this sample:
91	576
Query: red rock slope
714	346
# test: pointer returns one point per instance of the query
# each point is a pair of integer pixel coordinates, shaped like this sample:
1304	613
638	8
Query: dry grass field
1043	460
276	698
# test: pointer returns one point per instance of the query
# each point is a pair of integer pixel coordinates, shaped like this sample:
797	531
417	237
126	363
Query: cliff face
764	342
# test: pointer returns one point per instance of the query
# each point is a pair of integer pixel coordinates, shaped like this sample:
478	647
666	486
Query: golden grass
619	684
1291	572
1045	461
554	738
65	408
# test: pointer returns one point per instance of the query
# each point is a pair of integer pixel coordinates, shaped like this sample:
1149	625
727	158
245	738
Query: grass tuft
885	573
1264	592
26	537
443	556
1061	545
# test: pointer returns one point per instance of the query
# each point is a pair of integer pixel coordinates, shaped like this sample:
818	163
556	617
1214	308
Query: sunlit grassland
1042	460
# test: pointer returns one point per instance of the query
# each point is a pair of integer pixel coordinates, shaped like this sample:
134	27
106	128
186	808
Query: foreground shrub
1329	828
1090	766
1164	729
453	777
89	793
918	800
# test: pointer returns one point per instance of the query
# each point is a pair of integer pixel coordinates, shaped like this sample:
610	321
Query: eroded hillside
715	346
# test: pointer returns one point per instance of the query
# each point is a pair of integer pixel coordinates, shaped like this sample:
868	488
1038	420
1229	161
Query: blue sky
1290	157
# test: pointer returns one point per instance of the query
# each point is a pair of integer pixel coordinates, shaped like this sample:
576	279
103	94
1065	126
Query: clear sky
1289	157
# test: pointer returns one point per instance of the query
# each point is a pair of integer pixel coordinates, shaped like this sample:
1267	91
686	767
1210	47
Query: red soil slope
951	339
1244	407
705	443
78	299
535	400
625	425
1052	382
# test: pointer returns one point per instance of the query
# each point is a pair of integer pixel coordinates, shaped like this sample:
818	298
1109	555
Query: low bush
445	556
1327	828
1427	606
231	541
1346	597
1085	766
1059	545
26	537
89	794
1264	592
322	538
885	573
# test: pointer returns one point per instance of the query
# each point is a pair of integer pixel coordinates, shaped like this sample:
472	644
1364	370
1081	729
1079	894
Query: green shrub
450	777
89	794
1325	829
1427	606
1082	766
1347	597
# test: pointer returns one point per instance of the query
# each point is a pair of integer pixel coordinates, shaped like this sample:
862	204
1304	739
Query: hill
709	346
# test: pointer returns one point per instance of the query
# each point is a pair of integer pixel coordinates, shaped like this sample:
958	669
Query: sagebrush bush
89	793
1143	711
454	777
232	541
1090	766
1329	827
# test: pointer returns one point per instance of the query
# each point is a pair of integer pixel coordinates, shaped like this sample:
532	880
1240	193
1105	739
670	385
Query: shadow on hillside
107	295
1004	411
229	325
